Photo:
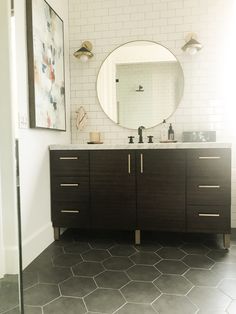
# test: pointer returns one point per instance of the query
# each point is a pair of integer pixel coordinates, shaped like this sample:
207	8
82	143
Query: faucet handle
150	137
131	139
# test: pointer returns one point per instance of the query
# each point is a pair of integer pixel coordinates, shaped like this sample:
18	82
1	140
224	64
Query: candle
94	136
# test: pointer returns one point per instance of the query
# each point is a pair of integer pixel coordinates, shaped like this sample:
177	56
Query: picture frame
46	69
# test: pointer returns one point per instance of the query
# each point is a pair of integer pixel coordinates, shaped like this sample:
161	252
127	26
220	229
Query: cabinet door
112	180
161	189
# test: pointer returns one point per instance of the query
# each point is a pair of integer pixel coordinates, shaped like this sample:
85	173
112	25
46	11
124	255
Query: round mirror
140	83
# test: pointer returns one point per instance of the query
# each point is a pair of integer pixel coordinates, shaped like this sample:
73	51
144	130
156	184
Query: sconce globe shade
84	58
192	46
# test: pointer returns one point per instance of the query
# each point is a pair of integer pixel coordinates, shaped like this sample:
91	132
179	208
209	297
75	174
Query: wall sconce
192	46
84	53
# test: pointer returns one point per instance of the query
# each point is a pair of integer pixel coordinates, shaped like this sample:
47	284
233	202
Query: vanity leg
226	240
56	233
137	237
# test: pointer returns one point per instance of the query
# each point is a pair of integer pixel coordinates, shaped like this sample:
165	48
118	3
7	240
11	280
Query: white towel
82	118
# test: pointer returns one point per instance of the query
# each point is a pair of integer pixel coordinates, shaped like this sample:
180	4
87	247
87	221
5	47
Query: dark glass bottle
171	133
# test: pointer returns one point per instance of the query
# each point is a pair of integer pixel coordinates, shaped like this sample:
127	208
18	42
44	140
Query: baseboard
233	223
11	260
36	243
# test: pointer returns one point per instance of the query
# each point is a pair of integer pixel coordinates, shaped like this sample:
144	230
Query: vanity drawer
209	163
69	163
70	189
208	192
208	219
70	214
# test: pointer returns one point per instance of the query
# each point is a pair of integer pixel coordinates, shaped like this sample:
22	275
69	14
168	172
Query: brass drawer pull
69	158
129	164
69	211
141	163
69	184
208	215
209	157
209	186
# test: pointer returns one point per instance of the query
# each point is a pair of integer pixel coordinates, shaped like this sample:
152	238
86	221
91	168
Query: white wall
37	232
8	220
208	75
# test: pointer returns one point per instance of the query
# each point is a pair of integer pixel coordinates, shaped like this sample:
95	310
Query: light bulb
84	58
191	50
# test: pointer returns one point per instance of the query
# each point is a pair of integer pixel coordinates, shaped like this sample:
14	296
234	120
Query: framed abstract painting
45	46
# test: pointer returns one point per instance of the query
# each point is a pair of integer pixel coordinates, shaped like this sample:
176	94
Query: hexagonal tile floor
90	272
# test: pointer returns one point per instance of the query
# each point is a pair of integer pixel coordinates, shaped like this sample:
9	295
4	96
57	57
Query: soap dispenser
171	133
164	131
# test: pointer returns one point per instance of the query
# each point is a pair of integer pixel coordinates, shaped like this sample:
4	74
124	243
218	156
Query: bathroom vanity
182	187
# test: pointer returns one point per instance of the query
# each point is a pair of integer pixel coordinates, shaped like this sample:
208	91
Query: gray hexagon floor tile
214	311
145	258
195	248
117	263
225	270
29	279
171	267
64	305
27	310
122	250
147	247
207	298
171	253
104	301
52	250
77	247
173	284
143	272
203	277
140	292
112	279
32	310
41	294
95	255
173	304
228	286
8	294
77	286
67	260
222	256
198	261
231	308
54	274
134	308
101	244
88	269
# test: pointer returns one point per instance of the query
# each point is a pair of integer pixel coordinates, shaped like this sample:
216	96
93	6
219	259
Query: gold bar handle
69	211
141	163
129	164
68	158
69	184
209	157
209	186
208	215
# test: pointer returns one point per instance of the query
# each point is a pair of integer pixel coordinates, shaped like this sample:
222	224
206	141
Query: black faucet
140	133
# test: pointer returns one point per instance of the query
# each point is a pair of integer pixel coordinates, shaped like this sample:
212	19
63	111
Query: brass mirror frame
128	42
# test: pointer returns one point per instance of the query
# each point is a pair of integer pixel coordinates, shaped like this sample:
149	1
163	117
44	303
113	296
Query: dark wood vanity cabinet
70	190
161	190
112	189
208	192
186	190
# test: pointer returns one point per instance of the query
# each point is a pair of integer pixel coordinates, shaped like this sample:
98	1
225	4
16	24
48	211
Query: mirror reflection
140	83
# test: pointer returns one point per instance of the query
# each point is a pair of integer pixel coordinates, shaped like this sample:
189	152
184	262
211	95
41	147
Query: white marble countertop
178	145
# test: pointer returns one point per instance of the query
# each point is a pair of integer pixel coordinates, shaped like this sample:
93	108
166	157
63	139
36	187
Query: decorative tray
169	141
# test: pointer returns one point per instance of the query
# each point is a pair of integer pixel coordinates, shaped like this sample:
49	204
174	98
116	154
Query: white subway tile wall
208	99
